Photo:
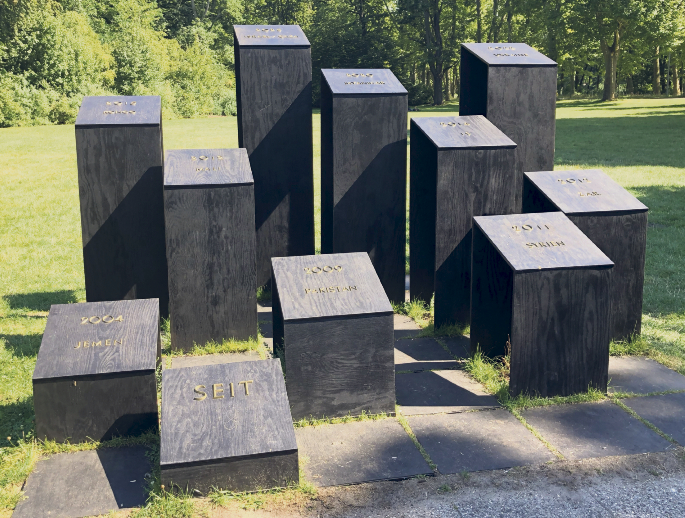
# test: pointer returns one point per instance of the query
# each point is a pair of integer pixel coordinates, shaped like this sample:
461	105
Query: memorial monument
364	170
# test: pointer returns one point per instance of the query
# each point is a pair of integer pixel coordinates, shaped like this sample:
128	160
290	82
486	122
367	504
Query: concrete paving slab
419	354
476	441
361	451
266	327
434	392
459	346
666	412
72	485
405	327
588	430
642	376
213	359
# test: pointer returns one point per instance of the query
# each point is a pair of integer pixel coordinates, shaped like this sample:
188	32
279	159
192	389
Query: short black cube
119	156
95	371
227	427
333	330
273	69
515	87
364	170
210	233
613	219
540	290
460	167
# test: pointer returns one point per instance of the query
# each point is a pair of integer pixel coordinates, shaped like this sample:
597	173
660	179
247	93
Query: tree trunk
630	89
509	15
676	83
437	88
656	79
493	35
572	83
412	74
446	87
479	23
610	64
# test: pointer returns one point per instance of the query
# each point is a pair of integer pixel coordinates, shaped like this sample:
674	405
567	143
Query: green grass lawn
637	142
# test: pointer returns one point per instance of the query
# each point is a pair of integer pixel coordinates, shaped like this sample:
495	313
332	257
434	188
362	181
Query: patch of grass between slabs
315	421
405	424
644	421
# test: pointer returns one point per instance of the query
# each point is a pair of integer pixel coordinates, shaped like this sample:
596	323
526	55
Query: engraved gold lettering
526	227
316	269
96	344
85	344
531	245
232	391
77	346
111	319
516	228
353	287
84	320
201	394
330	269
118	342
120	318
108	341
94	320
246	383
338	268
217	389
107	319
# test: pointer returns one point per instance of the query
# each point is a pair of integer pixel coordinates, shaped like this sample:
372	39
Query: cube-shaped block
364	170
515	87
540	290
228	427
613	219
333	329
210	234
273	69
460	167
95	371
119	156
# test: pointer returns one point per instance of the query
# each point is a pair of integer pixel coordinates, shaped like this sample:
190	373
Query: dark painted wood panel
274	95
560	332
122	214
328	285
508	55
119	110
270	36
464	132
369	146
95	407
99	338
338	367
362	81
623	238
202	167
212	264
473	84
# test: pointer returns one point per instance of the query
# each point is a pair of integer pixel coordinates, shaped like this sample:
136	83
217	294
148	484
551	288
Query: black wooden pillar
460	167
515	87
119	156
364	170
273	68
209	215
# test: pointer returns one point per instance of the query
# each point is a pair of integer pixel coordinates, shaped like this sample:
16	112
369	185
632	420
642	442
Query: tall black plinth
364	170
273	68
460	167
210	232
613	219
515	87
119	157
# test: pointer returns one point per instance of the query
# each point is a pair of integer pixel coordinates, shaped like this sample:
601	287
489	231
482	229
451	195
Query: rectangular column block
210	233
95	372
228	427
273	69
460	167
613	219
515	87
364	170
333	330
119	156
540	290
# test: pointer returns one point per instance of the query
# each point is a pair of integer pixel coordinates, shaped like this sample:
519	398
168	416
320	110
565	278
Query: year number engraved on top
107	319
529	228
325	269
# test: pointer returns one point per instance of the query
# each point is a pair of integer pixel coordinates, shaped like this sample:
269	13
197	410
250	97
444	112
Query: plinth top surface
270	36
120	110
541	241
328	285
206	167
99	338
470	132
509	54
224	411
346	81
585	191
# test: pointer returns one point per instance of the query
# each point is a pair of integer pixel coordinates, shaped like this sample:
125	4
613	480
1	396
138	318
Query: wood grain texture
508	54
560	332
473	86
211	253
241	426
328	285
541	241
270	36
469	132
252	473
119	110
274	96
72	348
342	366
122	214
363	182
206	167
362	81
95	408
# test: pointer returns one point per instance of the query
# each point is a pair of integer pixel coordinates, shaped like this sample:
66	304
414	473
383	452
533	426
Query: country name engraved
573	180
329	289
364	82
529	228
324	269
264	36
86	344
218	390
107	319
593	193
121	103
355	74
505	55
124	112
546	244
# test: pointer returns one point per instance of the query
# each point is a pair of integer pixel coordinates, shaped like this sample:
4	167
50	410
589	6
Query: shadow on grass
40	301
22	345
17	420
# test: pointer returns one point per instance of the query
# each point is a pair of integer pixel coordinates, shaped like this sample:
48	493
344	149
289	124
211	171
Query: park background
619	109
